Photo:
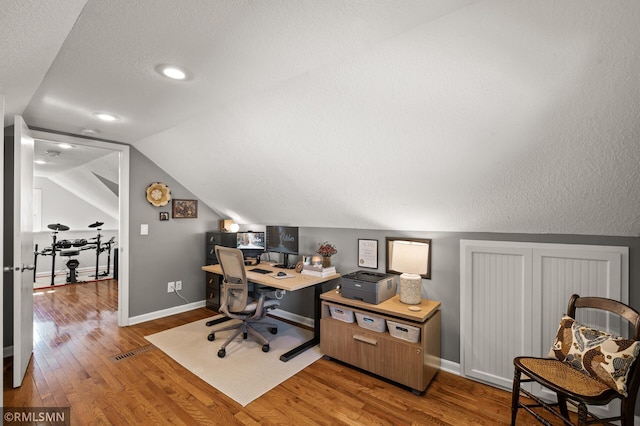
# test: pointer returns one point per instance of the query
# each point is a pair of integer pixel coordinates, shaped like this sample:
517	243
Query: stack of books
318	271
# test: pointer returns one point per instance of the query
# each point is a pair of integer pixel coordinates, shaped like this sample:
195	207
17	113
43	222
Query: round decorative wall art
158	194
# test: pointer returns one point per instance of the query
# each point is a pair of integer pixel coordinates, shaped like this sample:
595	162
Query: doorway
102	156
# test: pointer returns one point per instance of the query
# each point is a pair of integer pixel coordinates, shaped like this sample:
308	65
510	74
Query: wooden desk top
392	306
296	282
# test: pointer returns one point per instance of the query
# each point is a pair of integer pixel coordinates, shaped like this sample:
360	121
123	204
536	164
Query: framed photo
391	270
368	253
164	215
185	209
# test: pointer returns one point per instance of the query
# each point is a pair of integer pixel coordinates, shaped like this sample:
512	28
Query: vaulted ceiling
435	115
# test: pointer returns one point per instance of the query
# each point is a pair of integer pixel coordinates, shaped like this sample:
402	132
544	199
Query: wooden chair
579	369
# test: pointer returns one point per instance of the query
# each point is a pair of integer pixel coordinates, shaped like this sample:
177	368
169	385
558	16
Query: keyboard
260	271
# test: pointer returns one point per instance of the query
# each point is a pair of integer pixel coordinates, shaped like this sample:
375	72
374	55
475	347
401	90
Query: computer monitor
251	243
282	239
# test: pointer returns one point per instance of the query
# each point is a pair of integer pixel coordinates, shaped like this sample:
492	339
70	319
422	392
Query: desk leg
317	290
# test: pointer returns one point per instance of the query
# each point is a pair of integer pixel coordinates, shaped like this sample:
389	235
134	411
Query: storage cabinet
412	364
213	291
213	281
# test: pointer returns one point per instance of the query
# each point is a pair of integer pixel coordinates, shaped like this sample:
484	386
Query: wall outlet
178	285
171	287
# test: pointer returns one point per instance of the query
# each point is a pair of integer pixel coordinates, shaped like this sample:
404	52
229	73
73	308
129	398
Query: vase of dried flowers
326	250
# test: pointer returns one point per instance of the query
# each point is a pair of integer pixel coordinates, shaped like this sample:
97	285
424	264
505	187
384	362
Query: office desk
297	282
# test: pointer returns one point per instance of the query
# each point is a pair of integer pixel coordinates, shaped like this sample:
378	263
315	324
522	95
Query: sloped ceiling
87	183
88	172
503	116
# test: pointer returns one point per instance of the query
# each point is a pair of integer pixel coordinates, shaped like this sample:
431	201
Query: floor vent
132	353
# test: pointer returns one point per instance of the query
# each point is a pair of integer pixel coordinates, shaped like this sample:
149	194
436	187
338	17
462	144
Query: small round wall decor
158	194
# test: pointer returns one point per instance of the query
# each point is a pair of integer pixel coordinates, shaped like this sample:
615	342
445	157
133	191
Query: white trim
167	312
298	319
123	219
2	221
450	367
123	239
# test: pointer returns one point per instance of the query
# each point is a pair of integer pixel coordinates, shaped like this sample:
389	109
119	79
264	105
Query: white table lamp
412	259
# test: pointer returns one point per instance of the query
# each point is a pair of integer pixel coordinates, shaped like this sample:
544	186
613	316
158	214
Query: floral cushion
598	354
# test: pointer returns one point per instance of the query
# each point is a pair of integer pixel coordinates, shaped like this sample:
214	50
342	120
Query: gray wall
444	284
173	250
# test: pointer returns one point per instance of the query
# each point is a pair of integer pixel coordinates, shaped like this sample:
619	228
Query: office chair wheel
273	330
211	337
265	348
222	353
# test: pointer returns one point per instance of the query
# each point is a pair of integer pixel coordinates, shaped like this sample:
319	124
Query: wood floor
76	337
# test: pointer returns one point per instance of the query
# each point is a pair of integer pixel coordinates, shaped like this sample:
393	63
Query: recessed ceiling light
105	116
89	131
172	72
40	162
65	146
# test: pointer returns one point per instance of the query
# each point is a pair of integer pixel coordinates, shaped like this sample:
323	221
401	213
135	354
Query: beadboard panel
513	295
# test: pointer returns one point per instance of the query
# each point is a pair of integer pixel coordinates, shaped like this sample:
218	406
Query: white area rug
245	372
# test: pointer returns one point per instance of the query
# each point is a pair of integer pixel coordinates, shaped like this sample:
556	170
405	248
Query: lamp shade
410	257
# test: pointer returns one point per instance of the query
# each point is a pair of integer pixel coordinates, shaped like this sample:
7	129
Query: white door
513	295
496	310
2	222
22	251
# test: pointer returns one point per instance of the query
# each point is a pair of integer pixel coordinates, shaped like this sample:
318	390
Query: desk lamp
412	259
227	225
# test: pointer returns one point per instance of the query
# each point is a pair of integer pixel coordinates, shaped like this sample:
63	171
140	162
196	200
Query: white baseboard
166	312
299	319
450	367
290	316
101	268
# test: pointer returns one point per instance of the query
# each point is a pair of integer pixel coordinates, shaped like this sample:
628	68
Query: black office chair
238	303
585	367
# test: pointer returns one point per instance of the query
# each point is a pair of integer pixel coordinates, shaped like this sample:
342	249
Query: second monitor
282	239
252	244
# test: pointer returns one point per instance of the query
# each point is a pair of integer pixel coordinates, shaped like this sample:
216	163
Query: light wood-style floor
76	336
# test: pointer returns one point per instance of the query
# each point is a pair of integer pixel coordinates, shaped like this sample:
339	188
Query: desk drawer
378	353
226	239
212	297
211	252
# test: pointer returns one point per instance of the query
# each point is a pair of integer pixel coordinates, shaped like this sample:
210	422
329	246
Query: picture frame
367	253
164	216
184	209
390	240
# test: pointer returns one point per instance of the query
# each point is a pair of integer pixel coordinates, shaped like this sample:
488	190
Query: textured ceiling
503	116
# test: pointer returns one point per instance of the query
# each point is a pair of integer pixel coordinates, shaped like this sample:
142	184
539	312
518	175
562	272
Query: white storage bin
371	322
404	331
341	314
